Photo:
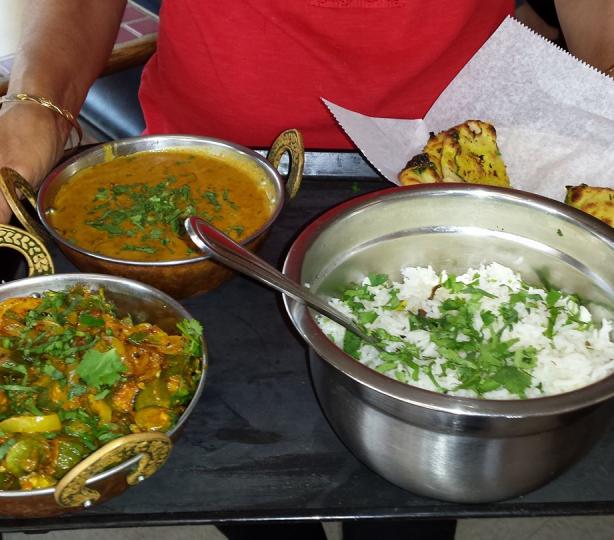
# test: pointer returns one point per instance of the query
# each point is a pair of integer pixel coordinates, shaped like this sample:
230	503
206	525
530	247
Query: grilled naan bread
596	201
465	153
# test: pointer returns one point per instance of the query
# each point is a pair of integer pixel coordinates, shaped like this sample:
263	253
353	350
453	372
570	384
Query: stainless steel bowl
144	303
452	448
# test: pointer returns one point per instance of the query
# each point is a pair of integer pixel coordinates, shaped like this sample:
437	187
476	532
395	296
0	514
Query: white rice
567	349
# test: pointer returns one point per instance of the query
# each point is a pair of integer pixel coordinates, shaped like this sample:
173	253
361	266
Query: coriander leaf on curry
133	207
75	375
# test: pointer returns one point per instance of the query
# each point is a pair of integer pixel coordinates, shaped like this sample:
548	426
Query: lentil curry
73	376
132	207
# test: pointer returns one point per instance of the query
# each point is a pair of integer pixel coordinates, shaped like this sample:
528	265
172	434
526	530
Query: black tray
257	447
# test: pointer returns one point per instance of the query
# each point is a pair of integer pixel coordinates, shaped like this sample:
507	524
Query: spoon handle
232	254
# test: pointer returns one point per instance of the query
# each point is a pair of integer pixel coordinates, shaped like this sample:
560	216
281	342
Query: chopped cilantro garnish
226	198
76	390
102	394
476	291
193	331
53	372
351	344
377	279
20	388
211	197
137	338
360	292
488	317
102	195
452	285
129	208
513	379
143	249
552	297
393	302
238	230
387	366
509	314
525	358
100	368
90	320
365	317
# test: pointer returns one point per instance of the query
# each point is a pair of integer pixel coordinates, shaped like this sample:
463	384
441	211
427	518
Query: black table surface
258	448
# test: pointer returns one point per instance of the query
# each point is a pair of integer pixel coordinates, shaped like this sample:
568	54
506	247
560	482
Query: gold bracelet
64	113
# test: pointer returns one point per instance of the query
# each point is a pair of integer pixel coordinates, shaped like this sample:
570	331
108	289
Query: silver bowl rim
303	321
196	140
101	279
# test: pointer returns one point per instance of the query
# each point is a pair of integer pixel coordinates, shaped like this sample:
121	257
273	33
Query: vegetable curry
132	207
73	376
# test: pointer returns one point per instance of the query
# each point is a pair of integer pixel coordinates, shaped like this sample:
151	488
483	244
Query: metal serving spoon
226	250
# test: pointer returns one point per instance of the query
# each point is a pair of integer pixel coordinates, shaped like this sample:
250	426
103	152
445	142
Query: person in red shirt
262	66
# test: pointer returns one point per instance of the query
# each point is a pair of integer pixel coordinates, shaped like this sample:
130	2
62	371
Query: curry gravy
133	207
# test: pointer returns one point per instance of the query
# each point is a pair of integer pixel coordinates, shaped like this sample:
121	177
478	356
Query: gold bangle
64	113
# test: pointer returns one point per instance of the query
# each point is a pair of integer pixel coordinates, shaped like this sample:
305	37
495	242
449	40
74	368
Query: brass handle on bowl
10	182
29	242
30	246
290	141
155	447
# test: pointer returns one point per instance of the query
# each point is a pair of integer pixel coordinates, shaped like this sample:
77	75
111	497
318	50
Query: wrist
41	101
33	139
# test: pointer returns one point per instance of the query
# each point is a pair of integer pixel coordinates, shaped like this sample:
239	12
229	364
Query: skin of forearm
64	46
588	27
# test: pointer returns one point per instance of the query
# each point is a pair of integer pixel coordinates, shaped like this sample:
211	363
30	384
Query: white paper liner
554	115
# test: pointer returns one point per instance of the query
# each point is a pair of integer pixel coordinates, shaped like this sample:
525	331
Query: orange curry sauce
133	207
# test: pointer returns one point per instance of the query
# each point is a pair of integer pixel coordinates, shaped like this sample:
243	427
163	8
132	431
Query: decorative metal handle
30	246
10	182
155	447
29	242
290	141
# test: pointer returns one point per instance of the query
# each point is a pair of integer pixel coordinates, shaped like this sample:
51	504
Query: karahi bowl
454	448
181	277
124	461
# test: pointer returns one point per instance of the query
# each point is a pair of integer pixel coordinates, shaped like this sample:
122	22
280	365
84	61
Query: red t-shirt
245	70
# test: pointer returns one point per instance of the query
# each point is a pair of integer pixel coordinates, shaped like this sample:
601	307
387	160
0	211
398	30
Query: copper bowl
178	278
110	470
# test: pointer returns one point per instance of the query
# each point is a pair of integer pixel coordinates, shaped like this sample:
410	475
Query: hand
31	142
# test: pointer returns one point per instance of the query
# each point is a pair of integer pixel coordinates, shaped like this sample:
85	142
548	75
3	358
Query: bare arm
64	46
528	16
588	27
